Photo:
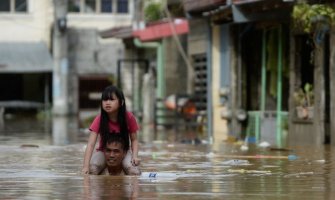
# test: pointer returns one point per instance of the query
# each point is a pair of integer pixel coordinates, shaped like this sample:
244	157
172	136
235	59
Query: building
28	41
258	60
25	59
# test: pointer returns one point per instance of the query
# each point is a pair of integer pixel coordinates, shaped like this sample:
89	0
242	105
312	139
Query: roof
162	29
25	57
194	6
118	32
152	31
241	11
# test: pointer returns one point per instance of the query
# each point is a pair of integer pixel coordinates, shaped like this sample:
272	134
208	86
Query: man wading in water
115	151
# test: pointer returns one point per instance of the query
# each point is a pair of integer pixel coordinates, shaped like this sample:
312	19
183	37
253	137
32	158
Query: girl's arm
88	152
134	148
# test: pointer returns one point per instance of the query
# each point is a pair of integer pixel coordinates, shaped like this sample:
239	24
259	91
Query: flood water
37	165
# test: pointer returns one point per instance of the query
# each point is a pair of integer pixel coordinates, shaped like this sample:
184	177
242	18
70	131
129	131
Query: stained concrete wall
175	67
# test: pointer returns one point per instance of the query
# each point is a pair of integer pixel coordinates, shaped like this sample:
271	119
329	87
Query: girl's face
111	104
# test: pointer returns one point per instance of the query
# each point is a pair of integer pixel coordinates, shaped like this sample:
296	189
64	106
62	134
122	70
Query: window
20	5
5	6
106	6
122	6
98	6
13	6
90	6
74	5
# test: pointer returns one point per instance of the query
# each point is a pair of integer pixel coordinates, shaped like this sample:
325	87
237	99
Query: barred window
106	6
122	6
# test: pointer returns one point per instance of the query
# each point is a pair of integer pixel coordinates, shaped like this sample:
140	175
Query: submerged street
32	166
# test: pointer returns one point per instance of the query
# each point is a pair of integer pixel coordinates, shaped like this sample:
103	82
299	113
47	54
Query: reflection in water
117	187
33	131
2	121
64	130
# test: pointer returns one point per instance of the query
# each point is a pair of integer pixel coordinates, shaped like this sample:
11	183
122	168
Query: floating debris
244	147
236	162
245	171
264	144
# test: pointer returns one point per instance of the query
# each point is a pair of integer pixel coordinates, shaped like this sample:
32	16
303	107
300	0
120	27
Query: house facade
25	59
28	34
257	62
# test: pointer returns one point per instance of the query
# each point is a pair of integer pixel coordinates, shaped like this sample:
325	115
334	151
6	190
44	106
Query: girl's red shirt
133	126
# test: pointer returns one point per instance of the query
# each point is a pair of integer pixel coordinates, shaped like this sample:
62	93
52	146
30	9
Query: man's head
115	150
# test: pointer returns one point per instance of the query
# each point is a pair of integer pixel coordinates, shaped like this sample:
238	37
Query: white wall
31	26
36	24
100	21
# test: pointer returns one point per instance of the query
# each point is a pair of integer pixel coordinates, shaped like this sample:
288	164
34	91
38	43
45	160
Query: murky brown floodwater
220	171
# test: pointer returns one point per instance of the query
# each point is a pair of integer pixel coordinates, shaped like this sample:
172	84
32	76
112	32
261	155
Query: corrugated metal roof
25	57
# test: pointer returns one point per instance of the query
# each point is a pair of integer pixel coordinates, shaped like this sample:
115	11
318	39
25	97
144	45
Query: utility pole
61	65
63	123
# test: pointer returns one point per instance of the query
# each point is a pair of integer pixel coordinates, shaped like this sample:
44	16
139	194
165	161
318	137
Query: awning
242	11
162	29
25	57
155	31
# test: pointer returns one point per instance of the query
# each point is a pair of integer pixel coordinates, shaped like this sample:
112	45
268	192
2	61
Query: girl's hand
135	161
85	170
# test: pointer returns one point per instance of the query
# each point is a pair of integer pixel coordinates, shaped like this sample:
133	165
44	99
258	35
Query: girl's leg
98	163
128	167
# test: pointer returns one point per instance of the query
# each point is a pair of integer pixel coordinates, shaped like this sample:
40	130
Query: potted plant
304	102
306	16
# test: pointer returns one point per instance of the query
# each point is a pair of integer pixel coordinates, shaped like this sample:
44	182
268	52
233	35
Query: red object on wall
162	30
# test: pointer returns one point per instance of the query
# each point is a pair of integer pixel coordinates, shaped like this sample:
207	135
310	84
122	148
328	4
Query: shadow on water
51	169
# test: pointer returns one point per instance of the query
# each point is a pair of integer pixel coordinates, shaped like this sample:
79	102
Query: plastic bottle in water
153	175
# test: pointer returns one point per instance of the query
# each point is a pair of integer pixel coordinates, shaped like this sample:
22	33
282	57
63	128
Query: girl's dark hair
121	118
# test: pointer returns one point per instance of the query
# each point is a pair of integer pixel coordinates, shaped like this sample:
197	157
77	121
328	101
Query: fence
262	126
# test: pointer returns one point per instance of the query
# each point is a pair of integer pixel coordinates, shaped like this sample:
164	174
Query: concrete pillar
61	64
220	131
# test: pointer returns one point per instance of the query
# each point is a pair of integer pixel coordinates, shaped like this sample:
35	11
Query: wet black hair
117	138
121	118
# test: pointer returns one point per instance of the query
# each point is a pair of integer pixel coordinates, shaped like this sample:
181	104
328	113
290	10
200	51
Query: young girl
113	119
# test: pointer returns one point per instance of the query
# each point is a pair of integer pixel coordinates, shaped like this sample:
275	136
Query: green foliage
305	16
304	96
153	11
